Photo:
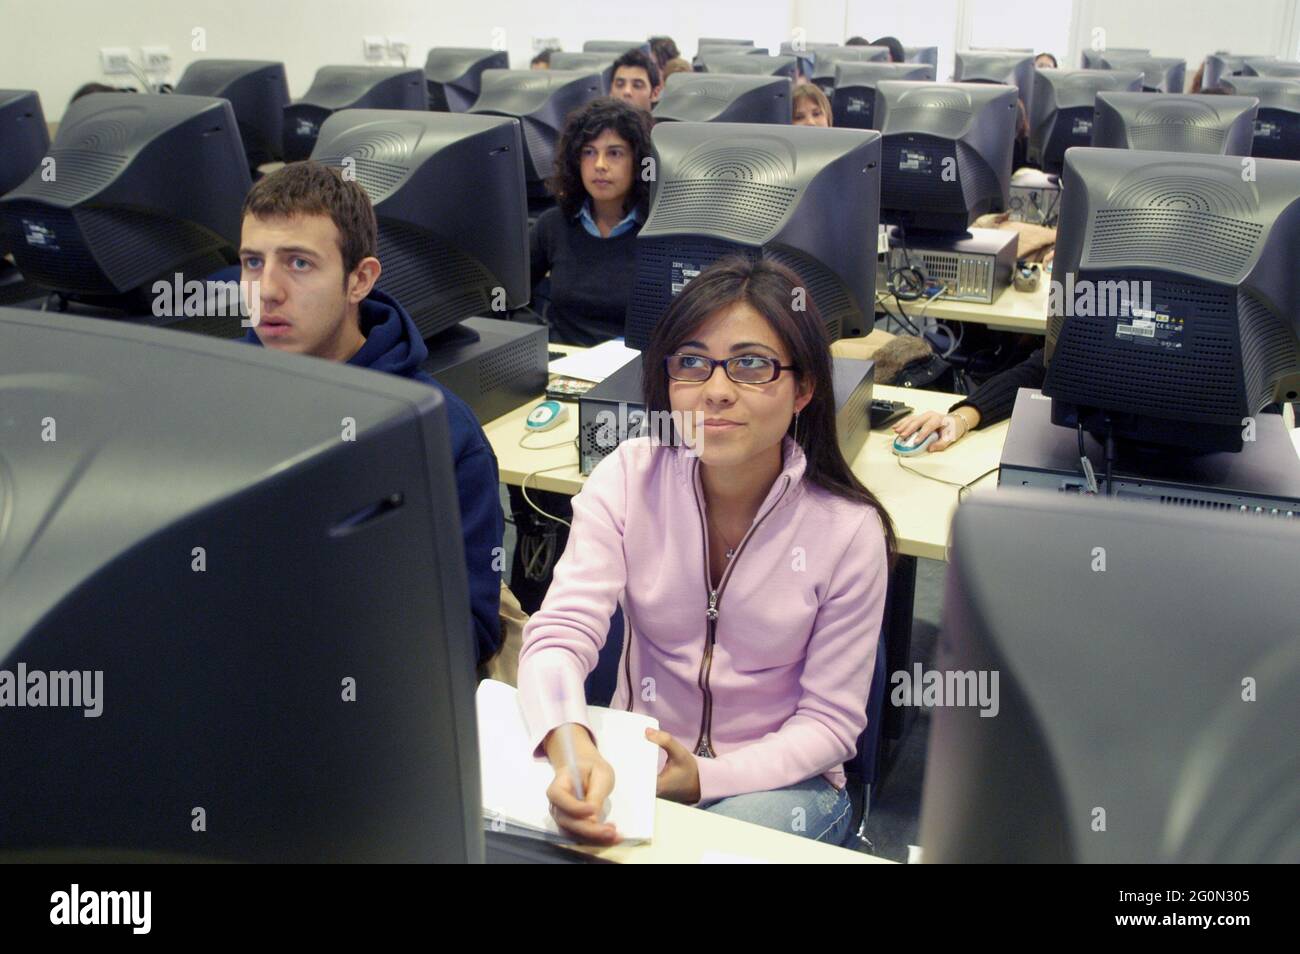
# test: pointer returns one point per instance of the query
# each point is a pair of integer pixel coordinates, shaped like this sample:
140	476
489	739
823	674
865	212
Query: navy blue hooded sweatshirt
393	344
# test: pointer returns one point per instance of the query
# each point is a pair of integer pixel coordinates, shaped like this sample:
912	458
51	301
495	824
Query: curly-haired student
587	243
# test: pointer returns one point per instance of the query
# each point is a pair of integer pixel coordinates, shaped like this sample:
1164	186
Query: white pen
570	756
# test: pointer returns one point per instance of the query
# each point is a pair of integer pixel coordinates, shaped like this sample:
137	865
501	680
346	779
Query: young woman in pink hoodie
750	565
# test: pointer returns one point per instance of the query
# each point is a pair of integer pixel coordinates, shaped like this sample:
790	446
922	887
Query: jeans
813	808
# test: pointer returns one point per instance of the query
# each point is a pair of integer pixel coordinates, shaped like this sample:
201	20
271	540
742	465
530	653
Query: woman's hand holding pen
582	783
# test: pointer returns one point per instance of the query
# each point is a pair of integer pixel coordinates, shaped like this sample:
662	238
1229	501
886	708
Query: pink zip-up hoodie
769	672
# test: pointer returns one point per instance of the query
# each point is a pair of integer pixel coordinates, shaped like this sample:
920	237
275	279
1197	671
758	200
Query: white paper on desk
594	364
514	781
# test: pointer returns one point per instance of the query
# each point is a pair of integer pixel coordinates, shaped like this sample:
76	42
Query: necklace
731	550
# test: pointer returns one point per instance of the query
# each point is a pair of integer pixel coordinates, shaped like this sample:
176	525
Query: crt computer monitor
279	610
724	98
1064	107
806	53
1095	59
541	100
715	49
1269	66
743	64
853	103
921	54
722	41
1121	690
1013	68
448	192
587	62
1221	66
24	137
828	60
348	87
804	196
946	152
453	74
1277	124
1213	338
258	91
1160	74
143	187
1178	122
617	47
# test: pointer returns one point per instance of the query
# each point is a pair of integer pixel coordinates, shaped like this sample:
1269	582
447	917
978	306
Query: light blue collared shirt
626	224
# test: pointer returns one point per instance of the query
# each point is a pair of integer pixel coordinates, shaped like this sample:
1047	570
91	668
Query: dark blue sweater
393	344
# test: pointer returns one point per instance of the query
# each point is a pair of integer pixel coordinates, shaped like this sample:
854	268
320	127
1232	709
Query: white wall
306	34
1191	28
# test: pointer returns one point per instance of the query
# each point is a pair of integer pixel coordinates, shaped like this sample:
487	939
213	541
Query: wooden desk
1025	312
685	835
922	509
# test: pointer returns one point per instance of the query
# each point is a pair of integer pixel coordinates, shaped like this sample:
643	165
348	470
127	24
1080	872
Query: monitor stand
1263	479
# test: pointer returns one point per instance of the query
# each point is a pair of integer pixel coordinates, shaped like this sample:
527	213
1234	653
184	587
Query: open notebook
515	782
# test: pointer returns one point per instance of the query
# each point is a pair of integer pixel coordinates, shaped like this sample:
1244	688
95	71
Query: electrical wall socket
156	59
115	60
546	43
374	47
399	48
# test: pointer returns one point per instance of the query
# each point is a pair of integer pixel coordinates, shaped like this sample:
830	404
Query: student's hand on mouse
580	818
951	428
679	780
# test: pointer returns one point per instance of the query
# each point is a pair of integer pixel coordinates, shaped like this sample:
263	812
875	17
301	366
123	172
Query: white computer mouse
912	445
545	416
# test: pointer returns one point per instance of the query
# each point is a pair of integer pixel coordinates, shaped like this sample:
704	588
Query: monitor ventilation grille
78	174
99	135
1217	246
377	177
744	210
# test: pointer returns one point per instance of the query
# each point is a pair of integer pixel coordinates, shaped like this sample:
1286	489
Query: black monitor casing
946	152
724	98
1221	66
1270	66
117	214
24	136
1277	124
1064	107
1160	74
803	196
278	606
1095	59
541	100
448	192
853	101
746	64
453	74
1011	67
825	62
587	63
258	91
1217	340
348	87
1125	637
1177	122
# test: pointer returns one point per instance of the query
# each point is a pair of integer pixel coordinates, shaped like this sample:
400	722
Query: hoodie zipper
704	744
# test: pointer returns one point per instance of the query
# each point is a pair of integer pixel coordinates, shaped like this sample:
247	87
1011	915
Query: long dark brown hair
582	126
772	290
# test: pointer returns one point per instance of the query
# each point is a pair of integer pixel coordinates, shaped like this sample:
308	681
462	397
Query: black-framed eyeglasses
743	369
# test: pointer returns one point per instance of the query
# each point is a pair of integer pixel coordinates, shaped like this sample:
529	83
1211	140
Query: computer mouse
545	416
911	446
